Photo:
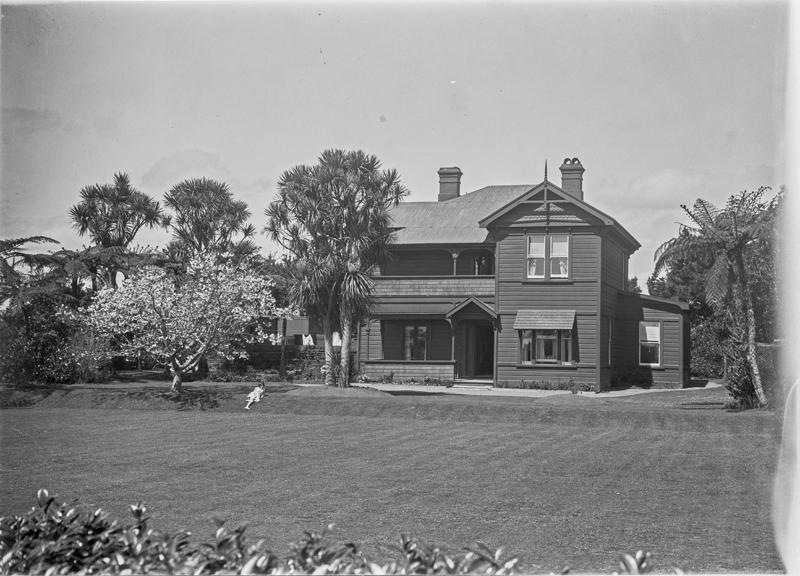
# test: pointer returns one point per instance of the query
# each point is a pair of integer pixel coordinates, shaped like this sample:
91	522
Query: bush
569	384
706	352
45	346
58	538
627	377
739	383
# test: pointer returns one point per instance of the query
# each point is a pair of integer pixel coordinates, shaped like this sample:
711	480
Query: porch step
472	383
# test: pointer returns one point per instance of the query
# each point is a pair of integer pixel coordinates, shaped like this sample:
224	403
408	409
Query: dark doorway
480	350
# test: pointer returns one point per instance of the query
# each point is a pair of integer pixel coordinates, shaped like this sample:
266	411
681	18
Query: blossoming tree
219	305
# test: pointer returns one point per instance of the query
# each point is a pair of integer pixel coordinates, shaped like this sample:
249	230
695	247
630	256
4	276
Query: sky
663	102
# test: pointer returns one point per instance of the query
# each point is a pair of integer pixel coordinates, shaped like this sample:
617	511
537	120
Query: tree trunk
328	331
750	315
177	383
283	350
344	376
177	377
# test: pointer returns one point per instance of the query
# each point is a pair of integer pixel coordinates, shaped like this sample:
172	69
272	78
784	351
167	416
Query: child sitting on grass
255	395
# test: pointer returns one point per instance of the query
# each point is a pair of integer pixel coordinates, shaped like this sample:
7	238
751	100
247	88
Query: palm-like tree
111	215
727	236
333	218
207	217
13	256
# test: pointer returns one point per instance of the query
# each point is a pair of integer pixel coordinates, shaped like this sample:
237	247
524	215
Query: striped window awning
544	320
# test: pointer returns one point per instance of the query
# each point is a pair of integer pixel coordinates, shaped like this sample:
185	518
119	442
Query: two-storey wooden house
518	283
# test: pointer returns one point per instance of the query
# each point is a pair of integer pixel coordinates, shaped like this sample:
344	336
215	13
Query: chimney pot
449	183
572	177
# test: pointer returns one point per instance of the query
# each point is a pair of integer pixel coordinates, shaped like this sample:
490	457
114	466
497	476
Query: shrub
569	384
45	346
706	352
739	383
636	376
60	538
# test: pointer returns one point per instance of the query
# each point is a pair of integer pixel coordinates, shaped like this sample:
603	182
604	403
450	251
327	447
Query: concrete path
516	392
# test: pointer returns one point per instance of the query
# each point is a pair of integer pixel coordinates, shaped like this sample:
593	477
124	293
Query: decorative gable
545	204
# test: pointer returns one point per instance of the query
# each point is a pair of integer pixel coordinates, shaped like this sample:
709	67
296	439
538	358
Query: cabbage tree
111	215
334	220
206	217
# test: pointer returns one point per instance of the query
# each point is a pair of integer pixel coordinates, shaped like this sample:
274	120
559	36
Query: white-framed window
536	256
526	347
415	342
548	256
649	343
559	256
545	347
566	346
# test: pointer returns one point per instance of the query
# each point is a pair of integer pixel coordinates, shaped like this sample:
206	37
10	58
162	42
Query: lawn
574	483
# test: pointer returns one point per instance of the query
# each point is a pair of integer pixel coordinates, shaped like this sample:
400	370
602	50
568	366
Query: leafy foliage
724	265
37	343
17	266
206	217
333	218
59	538
111	215
219	305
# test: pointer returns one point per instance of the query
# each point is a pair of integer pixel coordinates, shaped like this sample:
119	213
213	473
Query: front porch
451	344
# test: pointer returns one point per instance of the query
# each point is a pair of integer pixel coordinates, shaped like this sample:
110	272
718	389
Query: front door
480	350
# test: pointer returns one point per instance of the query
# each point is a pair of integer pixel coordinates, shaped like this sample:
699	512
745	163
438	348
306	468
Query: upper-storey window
548	256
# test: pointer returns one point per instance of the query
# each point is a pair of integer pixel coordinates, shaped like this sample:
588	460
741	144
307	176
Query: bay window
545	347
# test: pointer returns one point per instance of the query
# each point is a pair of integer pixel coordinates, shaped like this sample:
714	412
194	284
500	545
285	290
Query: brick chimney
449	183
572	177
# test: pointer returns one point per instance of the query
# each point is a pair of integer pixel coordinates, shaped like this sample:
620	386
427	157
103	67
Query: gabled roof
558	193
465	219
454	221
480	304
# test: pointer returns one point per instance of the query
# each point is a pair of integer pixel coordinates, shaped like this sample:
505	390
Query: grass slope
552	491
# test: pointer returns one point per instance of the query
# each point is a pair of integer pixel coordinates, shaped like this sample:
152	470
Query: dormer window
548	256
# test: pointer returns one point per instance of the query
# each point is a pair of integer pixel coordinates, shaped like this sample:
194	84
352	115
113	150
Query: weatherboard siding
512	255
672	373
613	264
580	292
409	371
460	286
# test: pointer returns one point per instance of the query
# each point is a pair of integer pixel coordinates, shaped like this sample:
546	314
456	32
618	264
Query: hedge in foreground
56	538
